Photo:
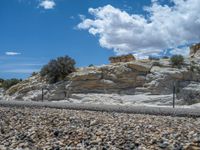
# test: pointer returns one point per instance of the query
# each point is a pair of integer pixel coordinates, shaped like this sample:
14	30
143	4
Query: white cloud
163	28
23	71
12	53
47	4
180	51
22	65
82	17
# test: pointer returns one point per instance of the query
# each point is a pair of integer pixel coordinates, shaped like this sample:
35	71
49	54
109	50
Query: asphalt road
181	112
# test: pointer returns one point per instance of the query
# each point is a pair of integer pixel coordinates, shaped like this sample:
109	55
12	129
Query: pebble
57	129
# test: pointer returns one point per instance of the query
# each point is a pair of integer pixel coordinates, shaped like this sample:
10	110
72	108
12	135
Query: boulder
86	75
123	58
160	80
139	66
195	50
109	78
1	93
190	94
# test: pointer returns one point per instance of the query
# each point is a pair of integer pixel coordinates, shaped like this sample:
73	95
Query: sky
32	32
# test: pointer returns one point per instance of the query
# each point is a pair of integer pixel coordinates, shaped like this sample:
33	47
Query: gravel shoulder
60	129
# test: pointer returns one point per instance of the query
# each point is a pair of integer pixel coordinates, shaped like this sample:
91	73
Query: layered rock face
190	93
123	58
116	78
1	93
136	77
195	50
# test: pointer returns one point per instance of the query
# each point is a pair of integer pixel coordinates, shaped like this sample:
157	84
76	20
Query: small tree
177	60
57	69
34	74
10	82
154	58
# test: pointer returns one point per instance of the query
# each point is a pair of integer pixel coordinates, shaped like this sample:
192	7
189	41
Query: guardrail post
174	92
65	93
42	94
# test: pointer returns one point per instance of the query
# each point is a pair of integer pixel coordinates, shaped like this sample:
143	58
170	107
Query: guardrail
166	111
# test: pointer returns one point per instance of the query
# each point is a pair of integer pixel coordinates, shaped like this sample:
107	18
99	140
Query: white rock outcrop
1	93
151	78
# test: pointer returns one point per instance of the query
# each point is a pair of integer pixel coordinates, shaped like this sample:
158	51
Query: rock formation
1	93
195	50
123	58
149	77
114	78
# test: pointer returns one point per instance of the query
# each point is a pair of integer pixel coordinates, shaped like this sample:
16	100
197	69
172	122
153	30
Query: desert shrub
10	82
33	74
91	65
165	57
156	63
57	69
177	60
153	58
1	80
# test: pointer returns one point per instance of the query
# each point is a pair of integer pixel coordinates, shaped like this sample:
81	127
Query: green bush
34	74
153	58
156	63
1	80
10	82
165	57
91	65
57	69
177	60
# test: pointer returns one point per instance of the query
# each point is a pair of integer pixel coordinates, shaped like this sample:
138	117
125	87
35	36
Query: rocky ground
31	128
1	93
116	99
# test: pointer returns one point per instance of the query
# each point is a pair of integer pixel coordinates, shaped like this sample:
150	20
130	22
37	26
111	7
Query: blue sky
34	31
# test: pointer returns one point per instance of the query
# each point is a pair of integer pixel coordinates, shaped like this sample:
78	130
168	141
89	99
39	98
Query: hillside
148	79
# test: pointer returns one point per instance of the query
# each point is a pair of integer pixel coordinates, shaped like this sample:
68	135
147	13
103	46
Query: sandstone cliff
149	77
195	50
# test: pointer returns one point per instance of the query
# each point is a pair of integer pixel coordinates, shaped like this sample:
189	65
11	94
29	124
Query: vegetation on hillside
57	69
34	74
1	82
91	65
177	60
153	58
165	57
6	84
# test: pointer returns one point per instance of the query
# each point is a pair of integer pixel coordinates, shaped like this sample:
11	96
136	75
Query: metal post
174	91
42	94
65	93
68	92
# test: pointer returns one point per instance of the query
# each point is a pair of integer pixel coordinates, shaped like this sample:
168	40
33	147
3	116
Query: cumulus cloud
12	53
180	51
47	4
164	27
